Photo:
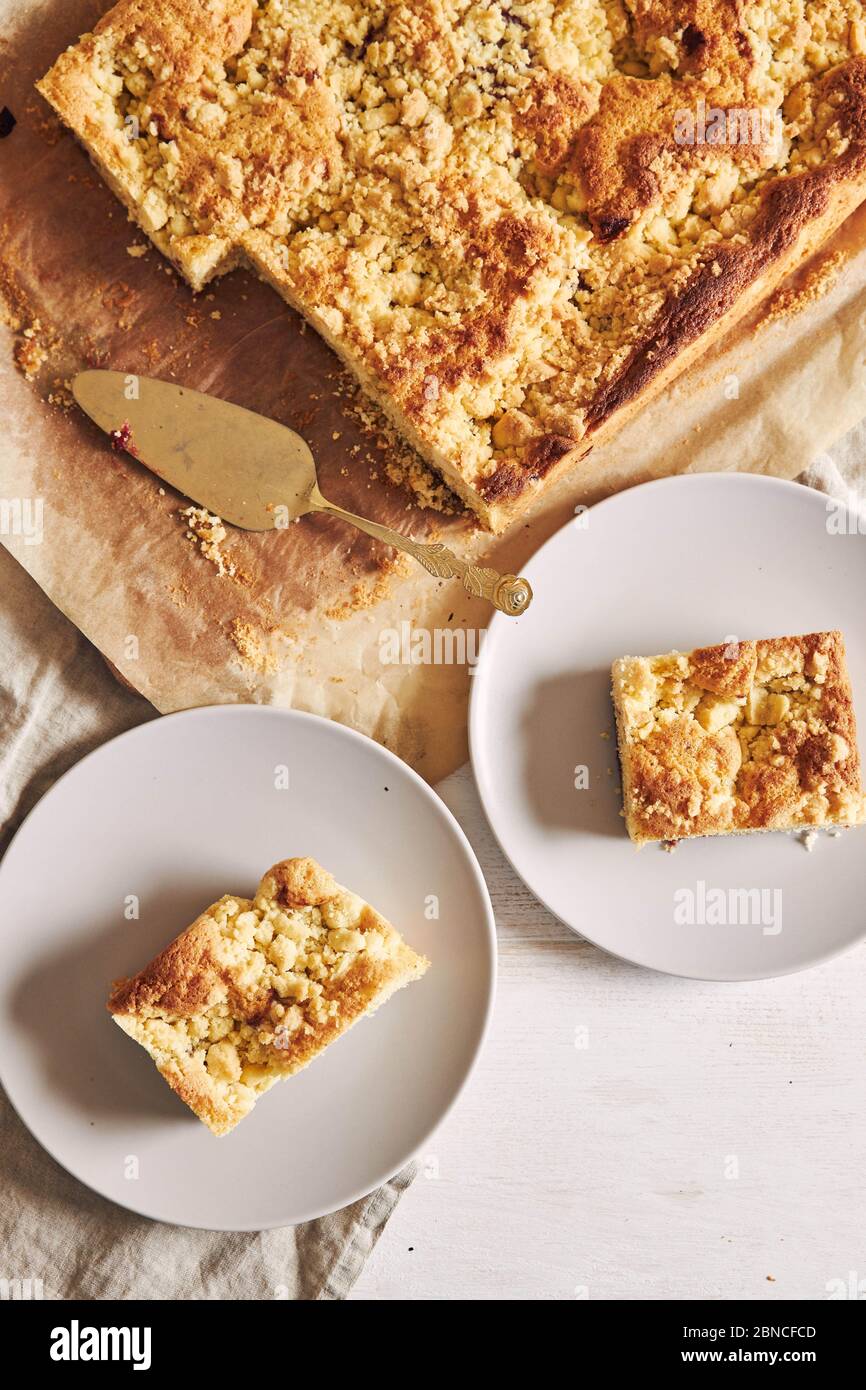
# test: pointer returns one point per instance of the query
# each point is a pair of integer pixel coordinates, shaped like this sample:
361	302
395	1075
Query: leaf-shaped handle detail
507	592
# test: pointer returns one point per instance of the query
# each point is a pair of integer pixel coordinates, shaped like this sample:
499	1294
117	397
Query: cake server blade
251	471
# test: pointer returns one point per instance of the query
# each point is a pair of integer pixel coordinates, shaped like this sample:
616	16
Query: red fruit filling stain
122	439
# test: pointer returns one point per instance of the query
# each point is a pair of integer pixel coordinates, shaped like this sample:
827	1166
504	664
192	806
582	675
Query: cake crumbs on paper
119	298
367	593
254	646
207	532
32	350
808	839
818	281
35	341
403	466
137	250
669	846
61	393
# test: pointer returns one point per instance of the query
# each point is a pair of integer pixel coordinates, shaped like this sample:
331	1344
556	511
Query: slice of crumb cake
252	991
741	737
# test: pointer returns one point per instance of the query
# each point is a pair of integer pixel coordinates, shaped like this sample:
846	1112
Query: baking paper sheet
317	617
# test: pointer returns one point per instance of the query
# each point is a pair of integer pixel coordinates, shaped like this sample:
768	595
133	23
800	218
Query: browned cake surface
750	736
497	213
254	990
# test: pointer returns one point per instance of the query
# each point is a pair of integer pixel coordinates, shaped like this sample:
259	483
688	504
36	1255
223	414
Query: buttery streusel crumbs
489	209
254	990
402	465
255	647
749	736
208	532
819	281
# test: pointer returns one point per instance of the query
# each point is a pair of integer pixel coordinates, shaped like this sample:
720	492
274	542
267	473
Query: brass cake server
249	470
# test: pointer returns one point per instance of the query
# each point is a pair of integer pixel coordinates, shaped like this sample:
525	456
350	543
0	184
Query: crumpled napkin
58	700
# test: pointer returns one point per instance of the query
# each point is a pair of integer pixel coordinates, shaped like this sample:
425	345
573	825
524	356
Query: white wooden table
630	1135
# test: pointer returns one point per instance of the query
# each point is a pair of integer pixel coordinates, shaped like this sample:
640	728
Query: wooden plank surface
629	1135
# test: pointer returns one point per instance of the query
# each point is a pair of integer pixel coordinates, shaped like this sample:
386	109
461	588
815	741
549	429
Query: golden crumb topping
208	532
487	206
750	736
254	989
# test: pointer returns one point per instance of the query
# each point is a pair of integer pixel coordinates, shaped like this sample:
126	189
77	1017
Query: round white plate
680	563
174	814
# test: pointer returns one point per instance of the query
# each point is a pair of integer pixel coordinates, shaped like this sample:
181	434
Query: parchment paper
311	611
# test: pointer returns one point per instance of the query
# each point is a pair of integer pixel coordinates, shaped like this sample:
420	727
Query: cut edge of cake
735	739
797	214
255	989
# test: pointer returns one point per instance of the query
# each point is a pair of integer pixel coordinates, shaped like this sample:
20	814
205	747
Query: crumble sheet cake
255	990
727	739
513	219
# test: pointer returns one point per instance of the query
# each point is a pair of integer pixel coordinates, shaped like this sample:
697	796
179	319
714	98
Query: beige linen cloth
57	701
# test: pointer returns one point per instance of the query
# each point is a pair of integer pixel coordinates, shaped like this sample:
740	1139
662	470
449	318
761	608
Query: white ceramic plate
176	813
679	563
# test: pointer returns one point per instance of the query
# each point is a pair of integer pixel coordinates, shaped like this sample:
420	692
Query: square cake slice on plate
254	990
745	736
